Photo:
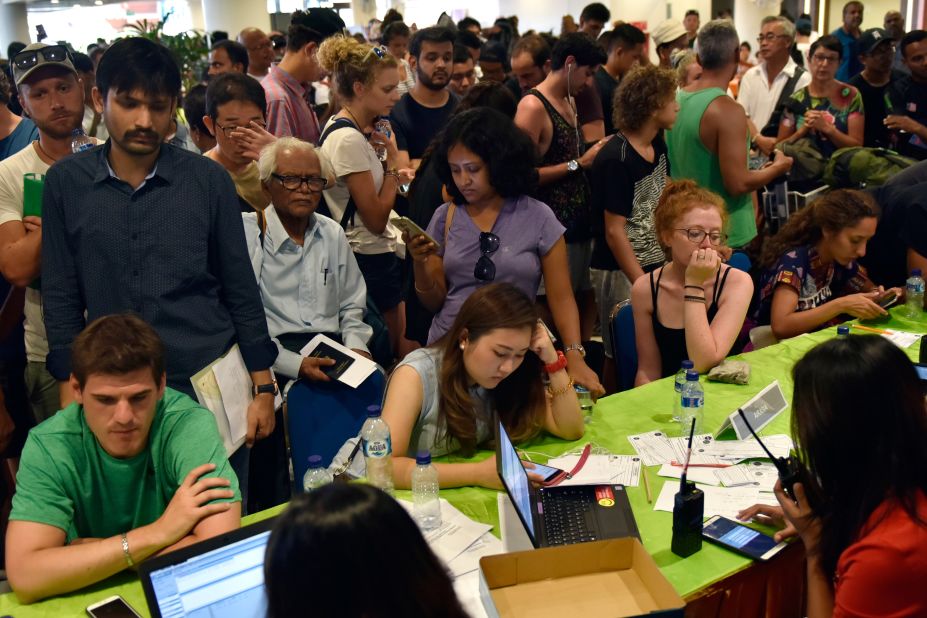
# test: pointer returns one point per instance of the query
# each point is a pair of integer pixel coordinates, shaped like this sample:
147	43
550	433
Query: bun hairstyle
350	61
678	198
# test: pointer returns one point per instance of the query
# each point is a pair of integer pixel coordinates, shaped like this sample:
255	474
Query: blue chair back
321	416
740	261
624	344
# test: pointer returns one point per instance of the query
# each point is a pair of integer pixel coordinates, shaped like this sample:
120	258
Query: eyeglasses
53	53
696	236
294	183
825	59
229	129
262	45
770	37
485	269
379	51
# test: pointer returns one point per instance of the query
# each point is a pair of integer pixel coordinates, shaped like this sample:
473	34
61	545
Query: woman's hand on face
542	345
798	513
703	264
420	248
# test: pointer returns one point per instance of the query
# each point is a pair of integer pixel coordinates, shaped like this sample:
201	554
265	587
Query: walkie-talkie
688	512
790	470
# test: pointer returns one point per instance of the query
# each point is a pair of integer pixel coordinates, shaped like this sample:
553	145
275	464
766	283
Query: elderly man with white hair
309	280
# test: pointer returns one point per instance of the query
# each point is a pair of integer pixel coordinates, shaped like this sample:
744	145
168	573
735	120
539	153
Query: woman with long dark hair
860	428
492	361
326	539
811	275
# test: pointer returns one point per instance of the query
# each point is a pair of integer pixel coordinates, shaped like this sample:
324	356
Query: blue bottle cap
373	411
315	461
692	375
423	458
843	330
916	272
687	364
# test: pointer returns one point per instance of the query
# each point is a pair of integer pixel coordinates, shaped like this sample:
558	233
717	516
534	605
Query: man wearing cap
287	84
848	33
260	52
766	88
668	36
876	53
52	95
907	117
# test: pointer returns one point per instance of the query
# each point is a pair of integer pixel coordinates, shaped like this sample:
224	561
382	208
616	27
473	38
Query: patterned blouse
847	104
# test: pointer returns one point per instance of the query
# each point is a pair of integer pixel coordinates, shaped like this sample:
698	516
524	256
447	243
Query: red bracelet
558	364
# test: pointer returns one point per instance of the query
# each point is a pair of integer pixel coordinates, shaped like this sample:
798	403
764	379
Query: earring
462	346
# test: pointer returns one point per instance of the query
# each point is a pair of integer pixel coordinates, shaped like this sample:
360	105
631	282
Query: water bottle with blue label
692	402
914	294
378	450
80	141
317	475
678	384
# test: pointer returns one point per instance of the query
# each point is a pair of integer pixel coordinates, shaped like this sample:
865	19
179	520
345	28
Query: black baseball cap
870	39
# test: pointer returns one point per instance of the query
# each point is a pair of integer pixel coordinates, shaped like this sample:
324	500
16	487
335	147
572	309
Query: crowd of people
465	206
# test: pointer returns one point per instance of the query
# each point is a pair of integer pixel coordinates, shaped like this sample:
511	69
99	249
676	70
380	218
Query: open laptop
562	515
221	576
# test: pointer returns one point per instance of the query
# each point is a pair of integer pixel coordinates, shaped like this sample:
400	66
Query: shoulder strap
447	221
653	290
787	91
350	208
262	225
337	123
720	286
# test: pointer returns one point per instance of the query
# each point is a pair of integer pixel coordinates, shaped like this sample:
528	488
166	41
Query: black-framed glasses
485	269
696	236
822	59
25	60
294	183
229	129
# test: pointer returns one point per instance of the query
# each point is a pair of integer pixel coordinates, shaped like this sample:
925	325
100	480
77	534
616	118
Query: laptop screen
227	581
515	480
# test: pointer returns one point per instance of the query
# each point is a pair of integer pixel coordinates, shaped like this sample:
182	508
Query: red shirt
884	573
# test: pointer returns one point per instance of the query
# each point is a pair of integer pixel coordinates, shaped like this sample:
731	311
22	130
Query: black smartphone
741	539
547	472
113	607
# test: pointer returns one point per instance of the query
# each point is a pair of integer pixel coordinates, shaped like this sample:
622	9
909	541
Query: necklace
353	117
38	143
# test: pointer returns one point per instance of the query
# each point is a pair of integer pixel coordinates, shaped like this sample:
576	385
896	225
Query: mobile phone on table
889	298
412	228
741	539
548	473
113	607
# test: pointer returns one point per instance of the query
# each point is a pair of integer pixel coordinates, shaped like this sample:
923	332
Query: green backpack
857	167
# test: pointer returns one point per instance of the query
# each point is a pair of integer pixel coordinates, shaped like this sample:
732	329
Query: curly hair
350	61
507	151
678	198
832	211
642	92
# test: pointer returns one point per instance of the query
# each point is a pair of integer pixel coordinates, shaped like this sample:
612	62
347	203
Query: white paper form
235	387
901	338
610	469
724	501
456	533
652	447
469	559
700	454
359	370
467	587
761	475
702	476
738	450
208	395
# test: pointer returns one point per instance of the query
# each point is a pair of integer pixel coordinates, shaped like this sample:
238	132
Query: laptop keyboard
566	516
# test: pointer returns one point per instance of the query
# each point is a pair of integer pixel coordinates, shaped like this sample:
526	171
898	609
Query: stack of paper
724	501
734	451
611	469
656	448
760	475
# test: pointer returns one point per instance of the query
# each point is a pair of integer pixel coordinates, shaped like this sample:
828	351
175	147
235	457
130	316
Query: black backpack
351	208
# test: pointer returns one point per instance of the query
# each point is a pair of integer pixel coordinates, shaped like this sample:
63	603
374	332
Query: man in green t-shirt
129	470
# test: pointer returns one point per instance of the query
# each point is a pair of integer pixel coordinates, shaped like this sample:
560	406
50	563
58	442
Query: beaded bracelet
559	391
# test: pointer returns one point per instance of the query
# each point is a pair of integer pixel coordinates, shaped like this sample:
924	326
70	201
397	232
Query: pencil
646	485
878	331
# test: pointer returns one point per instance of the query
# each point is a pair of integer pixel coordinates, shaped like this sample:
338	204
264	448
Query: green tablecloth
642	409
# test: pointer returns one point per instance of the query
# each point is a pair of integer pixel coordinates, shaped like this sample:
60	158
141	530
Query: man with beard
138	225
848	33
53	97
424	110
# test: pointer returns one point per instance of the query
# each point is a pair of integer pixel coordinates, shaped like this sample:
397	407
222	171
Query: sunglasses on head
25	60
485	269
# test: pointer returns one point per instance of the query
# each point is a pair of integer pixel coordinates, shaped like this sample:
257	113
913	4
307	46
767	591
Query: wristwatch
271	389
578	347
573	165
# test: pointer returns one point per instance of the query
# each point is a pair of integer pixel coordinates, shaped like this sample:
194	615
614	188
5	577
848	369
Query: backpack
772	126
350	208
857	167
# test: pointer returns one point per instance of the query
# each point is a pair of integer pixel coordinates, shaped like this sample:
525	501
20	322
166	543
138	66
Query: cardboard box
605	579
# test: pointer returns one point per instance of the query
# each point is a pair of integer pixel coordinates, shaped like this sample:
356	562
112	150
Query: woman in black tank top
694	306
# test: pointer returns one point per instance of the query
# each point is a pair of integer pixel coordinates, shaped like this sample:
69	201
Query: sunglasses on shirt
485	269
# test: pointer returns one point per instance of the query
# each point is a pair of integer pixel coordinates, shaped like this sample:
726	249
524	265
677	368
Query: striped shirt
288	110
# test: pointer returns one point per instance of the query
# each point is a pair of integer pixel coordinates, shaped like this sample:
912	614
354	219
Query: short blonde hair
350	61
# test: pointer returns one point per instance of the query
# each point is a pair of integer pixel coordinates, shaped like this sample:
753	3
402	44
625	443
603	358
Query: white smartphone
412	228
113	607
742	539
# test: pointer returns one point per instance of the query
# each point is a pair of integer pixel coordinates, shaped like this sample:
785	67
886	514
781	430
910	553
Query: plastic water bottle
680	381
378	450
843	331
317	475
426	505
692	402
383	126
80	141
914	294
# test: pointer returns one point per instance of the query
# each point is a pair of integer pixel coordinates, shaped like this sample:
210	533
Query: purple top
527	230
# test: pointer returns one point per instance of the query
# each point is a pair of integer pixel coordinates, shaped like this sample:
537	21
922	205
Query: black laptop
562	515
221	576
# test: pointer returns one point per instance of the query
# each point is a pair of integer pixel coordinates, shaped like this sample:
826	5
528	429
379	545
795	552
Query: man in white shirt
761	87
